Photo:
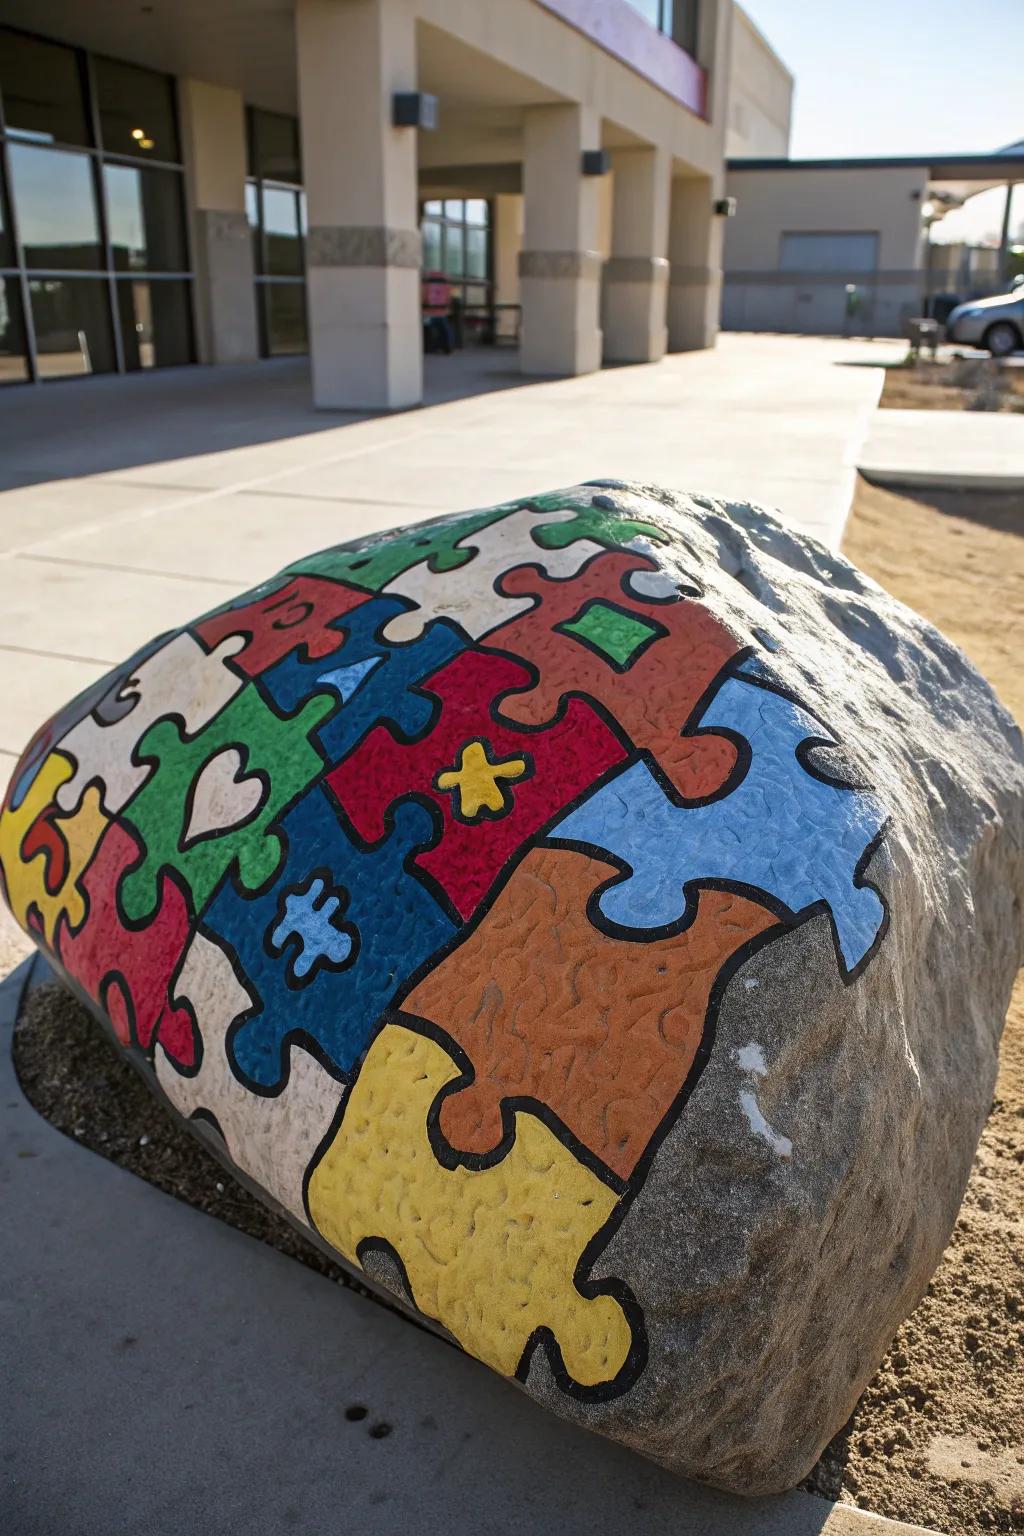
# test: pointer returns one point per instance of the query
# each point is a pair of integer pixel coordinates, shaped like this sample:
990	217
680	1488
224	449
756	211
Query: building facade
222	182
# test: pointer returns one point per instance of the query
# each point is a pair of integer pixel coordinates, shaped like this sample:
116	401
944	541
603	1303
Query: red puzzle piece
651	697
558	763
128	971
300	613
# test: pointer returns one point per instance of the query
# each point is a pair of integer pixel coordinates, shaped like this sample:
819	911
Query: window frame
263	279
446	224
106	273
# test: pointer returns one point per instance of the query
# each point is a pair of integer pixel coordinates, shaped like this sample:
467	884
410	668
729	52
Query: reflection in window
431	245
456	241
136	108
284	318
676	18
144	219
71	316
274	146
282	242
43	90
13	354
55	203
156	326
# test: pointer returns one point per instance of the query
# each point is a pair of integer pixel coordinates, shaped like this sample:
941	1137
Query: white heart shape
223	796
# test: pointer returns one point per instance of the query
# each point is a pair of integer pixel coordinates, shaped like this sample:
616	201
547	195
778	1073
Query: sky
899	77
903	77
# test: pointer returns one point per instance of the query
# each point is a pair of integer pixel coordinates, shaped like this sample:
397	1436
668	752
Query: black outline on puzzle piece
186	843
321	962
656	632
507	786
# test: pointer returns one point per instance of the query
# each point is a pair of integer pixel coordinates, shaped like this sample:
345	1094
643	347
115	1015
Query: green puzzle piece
372	564
604	525
272	752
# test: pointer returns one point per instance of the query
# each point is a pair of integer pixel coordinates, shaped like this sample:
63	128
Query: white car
997	324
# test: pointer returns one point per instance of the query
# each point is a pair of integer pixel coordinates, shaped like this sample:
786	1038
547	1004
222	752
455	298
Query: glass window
282	240
284	318
453	208
71	316
431	245
13	355
144	219
476	252
476	210
43	90
136	109
453	259
274	146
156	323
252	213
433	209
650	10
6	237
55	203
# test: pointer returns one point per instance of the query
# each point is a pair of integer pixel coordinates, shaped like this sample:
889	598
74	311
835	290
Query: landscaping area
953	384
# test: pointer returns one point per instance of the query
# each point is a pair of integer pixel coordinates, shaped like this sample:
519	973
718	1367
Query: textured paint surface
489	1254
422	870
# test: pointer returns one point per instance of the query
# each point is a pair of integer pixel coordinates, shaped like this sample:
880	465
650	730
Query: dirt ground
937	1439
955	385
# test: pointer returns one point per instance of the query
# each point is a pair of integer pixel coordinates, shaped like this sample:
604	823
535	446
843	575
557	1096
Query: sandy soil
953	386
938	1437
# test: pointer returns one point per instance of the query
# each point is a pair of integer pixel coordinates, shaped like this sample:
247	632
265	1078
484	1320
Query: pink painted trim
621	31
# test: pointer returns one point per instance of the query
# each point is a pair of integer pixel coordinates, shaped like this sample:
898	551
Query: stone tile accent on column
359	245
636	269
560	264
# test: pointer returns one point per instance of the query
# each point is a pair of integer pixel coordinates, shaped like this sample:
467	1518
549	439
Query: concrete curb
938	480
170	1372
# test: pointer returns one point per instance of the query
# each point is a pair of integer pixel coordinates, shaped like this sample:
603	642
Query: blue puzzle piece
392	920
373	679
782	831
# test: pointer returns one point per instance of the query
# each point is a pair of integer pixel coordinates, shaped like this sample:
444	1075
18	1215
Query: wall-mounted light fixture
725	207
596	162
414	109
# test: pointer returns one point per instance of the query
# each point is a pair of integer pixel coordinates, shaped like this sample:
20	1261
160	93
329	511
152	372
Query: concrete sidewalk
162	1372
135	503
982	450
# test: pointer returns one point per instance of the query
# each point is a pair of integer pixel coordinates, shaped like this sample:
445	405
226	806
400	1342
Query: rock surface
595	916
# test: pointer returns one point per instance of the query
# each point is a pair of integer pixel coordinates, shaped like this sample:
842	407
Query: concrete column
213	131
695	265
636	274
559	265
363	245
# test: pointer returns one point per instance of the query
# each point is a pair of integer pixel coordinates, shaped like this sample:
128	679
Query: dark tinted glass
43	90
431	245
284	318
282	245
144	218
274	146
454	263
55	204
13	356
136	110
252	213
72	323
156	323
476	252
6	238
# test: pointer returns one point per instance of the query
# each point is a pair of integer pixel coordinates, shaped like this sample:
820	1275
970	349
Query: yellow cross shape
475	780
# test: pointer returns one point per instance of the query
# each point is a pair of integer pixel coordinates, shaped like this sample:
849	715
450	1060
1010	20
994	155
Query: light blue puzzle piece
782	831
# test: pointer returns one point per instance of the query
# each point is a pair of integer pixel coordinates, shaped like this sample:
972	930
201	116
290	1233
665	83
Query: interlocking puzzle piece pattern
301	613
564	759
310	923
375	681
555	1015
277	750
179	680
491	1254
394	921
602	517
445	543
270	1137
127	970
467	598
43	853
649	672
798	838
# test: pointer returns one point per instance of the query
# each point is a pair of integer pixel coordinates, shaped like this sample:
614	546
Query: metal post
1004	237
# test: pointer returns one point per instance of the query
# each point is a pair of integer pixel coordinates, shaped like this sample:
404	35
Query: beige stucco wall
760	95
770	203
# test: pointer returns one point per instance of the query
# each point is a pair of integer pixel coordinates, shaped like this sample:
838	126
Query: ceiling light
138	133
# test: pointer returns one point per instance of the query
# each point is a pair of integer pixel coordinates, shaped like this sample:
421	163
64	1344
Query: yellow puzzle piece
490	1253
26	879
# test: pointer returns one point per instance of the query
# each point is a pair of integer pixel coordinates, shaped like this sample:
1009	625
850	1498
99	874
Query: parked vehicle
997	324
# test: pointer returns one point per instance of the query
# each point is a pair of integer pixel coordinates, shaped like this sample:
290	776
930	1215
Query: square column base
561	298
694	301
366	338
634	309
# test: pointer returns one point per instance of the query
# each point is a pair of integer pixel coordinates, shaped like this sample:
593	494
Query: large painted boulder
593	917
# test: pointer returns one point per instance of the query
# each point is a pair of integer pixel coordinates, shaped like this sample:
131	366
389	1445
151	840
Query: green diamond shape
619	636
